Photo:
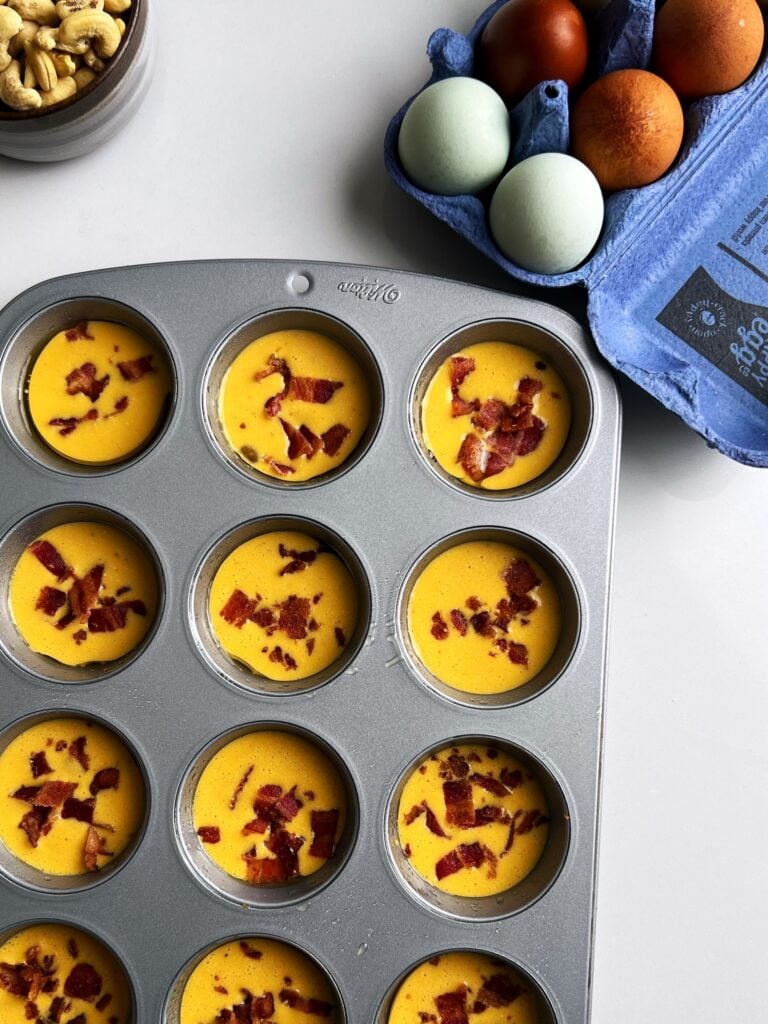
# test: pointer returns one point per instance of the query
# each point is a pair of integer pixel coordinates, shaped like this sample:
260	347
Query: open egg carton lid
678	283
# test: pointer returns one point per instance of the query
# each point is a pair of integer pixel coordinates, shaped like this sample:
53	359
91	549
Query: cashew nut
116	6
12	91
66	7
10	26
42	67
46	38
83	77
25	35
92	61
41	11
78	31
64	64
65	88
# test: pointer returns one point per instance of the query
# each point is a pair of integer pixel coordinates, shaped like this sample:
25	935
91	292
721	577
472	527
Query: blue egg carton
678	283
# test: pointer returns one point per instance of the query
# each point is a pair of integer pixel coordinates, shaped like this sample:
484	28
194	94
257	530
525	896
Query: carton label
728	332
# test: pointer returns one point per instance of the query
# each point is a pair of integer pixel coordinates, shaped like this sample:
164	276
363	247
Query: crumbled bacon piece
432	822
490	784
312	389
266	799
50	600
452	1006
519	577
95	847
298	564
104	1002
65	620
489	814
56	1009
209	833
459	806
474	603
26	793
459	620
80	636
518	654
490	415
334	438
341	639
439	627
298	443
473	456
461	367
84	982
454	766
84	593
463	856
13	980
77	750
294	617
529	387
106	778
36	824
316	1007
461	407
287	806
39	764
80	810
274	365
250	951
50	559
238	609
415	812
264	617
481	623
499	990
283	866
135	369
79	332
240	787
114	616
82	381
53	794
324	827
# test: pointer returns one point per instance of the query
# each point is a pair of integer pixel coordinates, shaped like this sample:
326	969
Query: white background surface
262	137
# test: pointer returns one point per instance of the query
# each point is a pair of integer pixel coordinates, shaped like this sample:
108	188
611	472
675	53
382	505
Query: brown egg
707	47
532	41
627	128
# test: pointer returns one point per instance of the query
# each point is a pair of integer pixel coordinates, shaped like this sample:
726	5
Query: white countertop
262	137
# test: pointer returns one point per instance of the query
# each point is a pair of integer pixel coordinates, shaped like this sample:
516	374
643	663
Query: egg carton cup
678	282
365	917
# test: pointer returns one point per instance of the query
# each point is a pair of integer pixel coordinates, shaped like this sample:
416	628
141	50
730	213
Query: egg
707	47
627	128
547	213
455	137
532	41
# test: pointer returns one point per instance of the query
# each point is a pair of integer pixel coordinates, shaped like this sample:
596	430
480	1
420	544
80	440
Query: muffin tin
364	918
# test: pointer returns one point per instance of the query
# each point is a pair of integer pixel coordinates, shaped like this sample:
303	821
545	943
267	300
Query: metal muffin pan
365	921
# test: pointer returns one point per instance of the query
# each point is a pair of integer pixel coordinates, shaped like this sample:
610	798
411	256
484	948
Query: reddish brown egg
707	47
532	41
627	128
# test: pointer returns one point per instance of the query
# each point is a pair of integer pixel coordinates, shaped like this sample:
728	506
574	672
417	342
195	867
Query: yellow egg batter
294	404
71	796
495	415
82	593
269	806
98	392
472	820
284	605
58	973
484	617
292	989
488	990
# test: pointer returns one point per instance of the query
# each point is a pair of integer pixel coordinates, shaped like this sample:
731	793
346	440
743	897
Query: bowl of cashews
72	73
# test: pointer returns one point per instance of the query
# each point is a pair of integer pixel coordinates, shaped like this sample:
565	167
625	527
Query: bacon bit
104	1002
518	654
459	806
65	620
78	332
264	617
12	979
298	444
481	623
529	821
459	620
489	814
519	578
324	827
250	951
529	386
490	415
288	806
415	812
107	778
334	438
454	766
341	639
69	424
492	861
297	565
240	787
407	850
77	750
114	616
80	810
26	793
50	559
39	765
82	381
73	949
452	1006
301	556
296	1001
439	627
84	982
95	847
310	645
221	990
135	369
60	745
490	784
278	467
35	823
461	367
50	600
238	609
312	389
432	822
266	799
53	794
461	407
313	626
274	365
80	636
209	833
57	1007
473	457
84	593
499	990
463	856
257	825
